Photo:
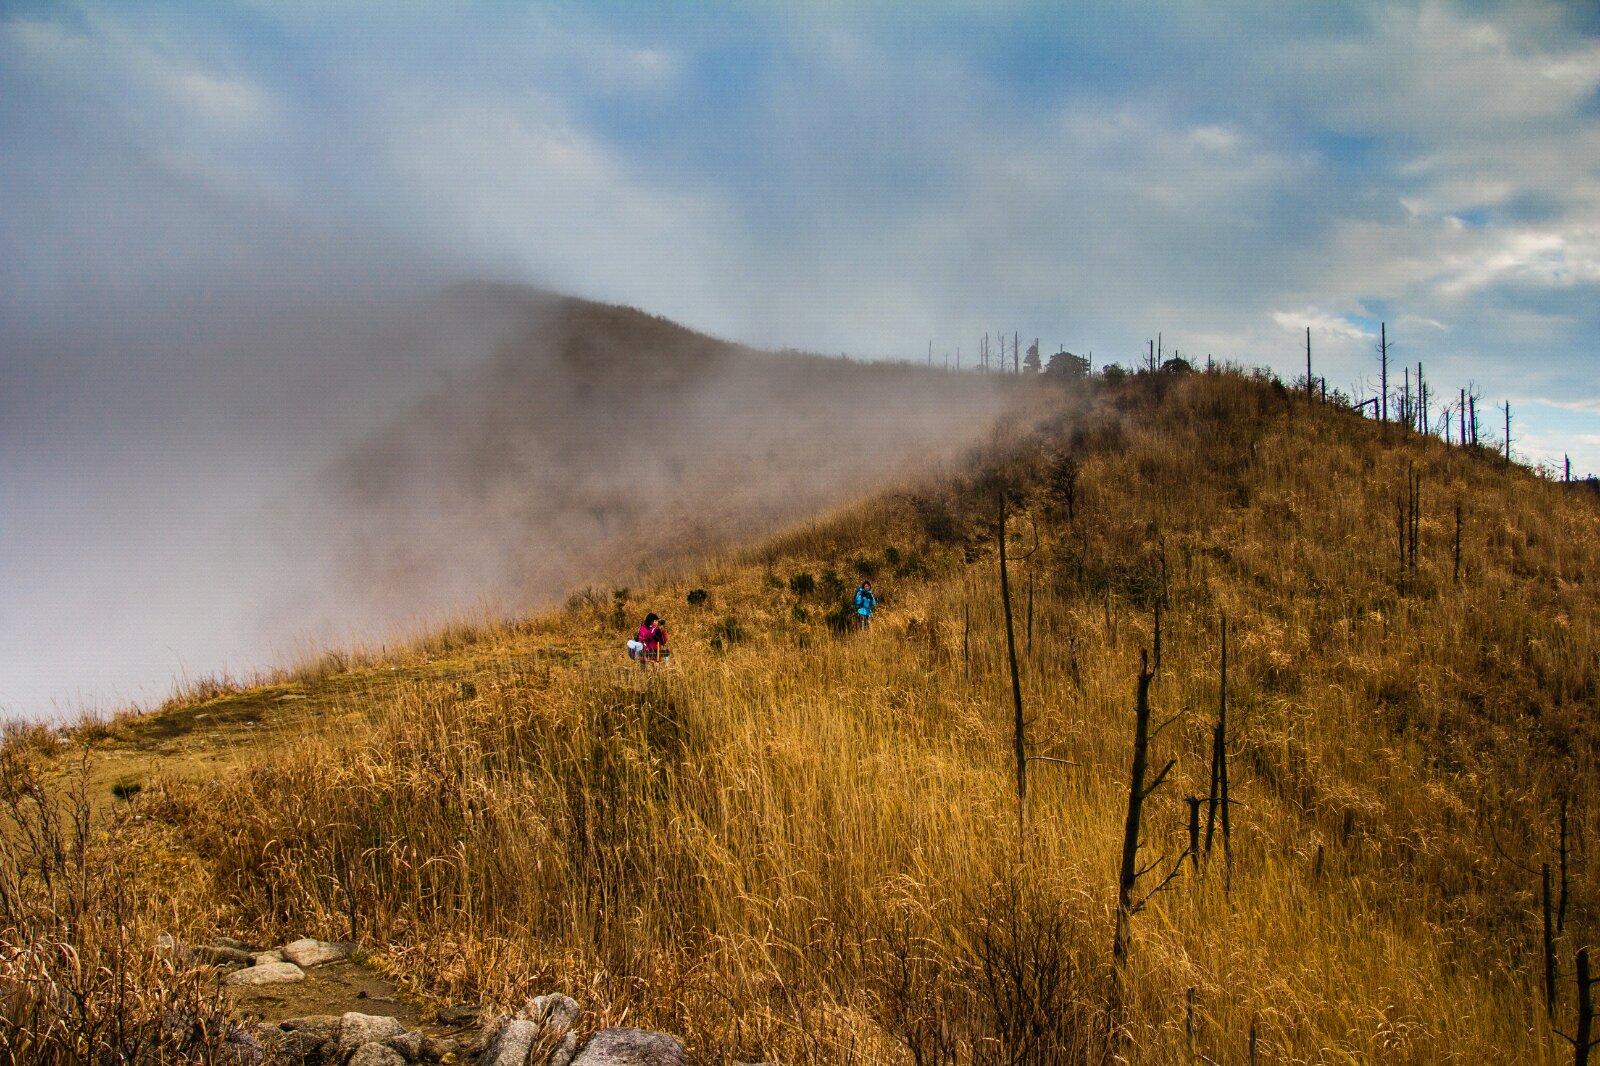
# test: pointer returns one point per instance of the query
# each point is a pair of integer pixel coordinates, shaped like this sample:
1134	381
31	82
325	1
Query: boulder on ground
630	1047
555	1011
358	1029
512	1044
308	952
409	1045
268	973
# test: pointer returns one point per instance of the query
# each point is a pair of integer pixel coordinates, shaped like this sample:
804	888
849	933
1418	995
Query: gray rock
266	956
222	954
376	1055
484	1035
630	1047
358	1029
298	1046
565	1051
512	1044
409	1045
230	942
270	973
555	1011
309	952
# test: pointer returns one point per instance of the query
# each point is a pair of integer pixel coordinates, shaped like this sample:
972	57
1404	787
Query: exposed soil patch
332	988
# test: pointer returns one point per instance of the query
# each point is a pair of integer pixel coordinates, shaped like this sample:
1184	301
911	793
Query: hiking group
649	644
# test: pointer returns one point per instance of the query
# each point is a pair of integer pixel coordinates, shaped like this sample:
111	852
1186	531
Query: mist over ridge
226	481
600	438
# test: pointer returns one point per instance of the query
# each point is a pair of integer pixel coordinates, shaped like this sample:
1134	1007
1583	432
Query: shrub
728	631
698	597
802	584
938	524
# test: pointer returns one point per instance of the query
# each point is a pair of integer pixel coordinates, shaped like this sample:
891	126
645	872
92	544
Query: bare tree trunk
1016	680
1383	373
1219	757
1583	1041
1549	951
1128	871
1194	832
1457	576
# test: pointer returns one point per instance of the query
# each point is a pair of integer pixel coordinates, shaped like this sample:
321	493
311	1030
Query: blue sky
839	177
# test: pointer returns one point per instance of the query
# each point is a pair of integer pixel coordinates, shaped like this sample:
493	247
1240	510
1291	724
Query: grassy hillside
802	845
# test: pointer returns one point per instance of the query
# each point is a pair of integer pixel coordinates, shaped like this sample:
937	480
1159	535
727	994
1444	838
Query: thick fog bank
225	482
603	437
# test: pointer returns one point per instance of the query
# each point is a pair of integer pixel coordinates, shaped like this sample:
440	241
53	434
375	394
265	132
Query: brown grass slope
801	845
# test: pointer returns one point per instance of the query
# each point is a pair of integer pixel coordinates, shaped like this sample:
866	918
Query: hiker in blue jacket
866	602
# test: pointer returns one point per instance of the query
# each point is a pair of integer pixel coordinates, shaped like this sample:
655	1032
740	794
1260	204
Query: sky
217	222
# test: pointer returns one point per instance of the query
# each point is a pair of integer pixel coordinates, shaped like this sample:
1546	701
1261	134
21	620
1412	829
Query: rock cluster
542	1033
250	965
351	1039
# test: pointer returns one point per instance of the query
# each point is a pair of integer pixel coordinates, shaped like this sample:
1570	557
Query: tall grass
802	847
82	978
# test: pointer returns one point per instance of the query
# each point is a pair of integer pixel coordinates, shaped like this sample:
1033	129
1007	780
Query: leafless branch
1161	777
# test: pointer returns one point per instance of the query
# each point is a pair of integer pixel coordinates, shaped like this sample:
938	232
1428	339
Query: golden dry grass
799	845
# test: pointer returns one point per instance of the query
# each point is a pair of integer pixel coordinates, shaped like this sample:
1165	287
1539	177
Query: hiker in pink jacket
653	637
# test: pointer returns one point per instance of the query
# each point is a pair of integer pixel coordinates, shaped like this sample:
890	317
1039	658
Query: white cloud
1539	257
1215	138
1321	322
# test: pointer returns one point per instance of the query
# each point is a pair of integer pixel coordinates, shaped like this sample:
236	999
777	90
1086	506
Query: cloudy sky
197	197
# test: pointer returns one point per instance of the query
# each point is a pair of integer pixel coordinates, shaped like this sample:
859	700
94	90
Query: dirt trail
334	988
